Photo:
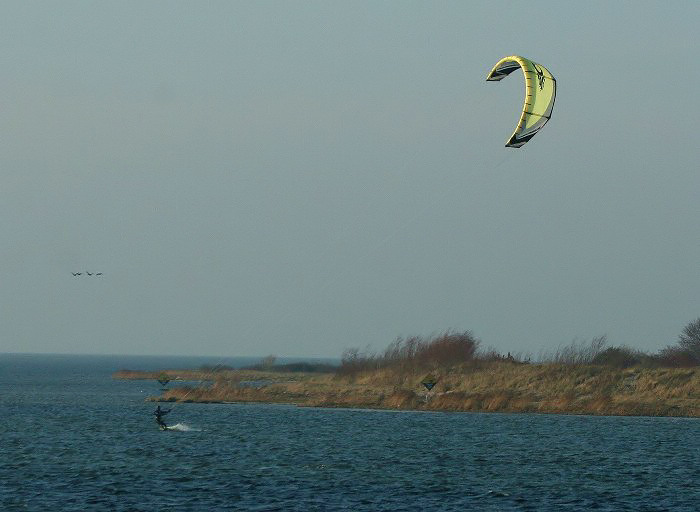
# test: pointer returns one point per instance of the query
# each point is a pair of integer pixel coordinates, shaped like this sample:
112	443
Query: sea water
74	439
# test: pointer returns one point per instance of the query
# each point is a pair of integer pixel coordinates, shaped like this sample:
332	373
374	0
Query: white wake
183	427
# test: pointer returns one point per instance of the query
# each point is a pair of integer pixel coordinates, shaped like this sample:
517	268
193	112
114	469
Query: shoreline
492	387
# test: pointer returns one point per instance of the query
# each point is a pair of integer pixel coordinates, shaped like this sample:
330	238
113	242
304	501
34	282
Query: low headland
583	378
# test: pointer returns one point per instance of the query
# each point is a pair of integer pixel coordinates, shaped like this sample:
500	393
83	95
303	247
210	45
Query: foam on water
183	427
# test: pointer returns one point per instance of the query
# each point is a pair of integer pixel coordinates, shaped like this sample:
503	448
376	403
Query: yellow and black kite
540	91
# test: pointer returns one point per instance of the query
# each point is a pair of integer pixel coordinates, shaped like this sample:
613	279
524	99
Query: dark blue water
71	438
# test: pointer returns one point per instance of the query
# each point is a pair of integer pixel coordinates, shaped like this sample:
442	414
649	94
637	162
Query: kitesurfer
159	413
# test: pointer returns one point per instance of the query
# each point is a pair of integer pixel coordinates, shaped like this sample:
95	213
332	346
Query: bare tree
689	339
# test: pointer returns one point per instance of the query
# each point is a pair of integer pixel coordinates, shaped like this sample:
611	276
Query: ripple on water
65	449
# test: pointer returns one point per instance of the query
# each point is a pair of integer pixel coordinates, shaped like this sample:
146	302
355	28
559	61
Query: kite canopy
429	382
540	91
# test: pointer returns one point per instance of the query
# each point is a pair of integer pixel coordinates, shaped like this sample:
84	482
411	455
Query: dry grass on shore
555	388
478	386
581	378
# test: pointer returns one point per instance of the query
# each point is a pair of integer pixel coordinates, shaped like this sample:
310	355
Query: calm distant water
73	439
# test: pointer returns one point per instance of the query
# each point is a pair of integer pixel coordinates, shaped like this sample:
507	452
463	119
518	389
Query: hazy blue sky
298	178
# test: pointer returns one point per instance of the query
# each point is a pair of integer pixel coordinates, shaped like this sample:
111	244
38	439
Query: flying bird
88	273
77	273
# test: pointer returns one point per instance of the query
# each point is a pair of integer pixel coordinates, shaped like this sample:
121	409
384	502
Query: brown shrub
676	357
444	350
619	357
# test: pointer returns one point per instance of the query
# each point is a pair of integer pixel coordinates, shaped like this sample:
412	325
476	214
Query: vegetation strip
582	378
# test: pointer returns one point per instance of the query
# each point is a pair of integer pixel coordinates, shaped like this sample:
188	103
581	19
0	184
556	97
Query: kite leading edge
540	91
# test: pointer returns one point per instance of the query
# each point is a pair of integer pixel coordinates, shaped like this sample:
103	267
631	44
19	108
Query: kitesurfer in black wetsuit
159	413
